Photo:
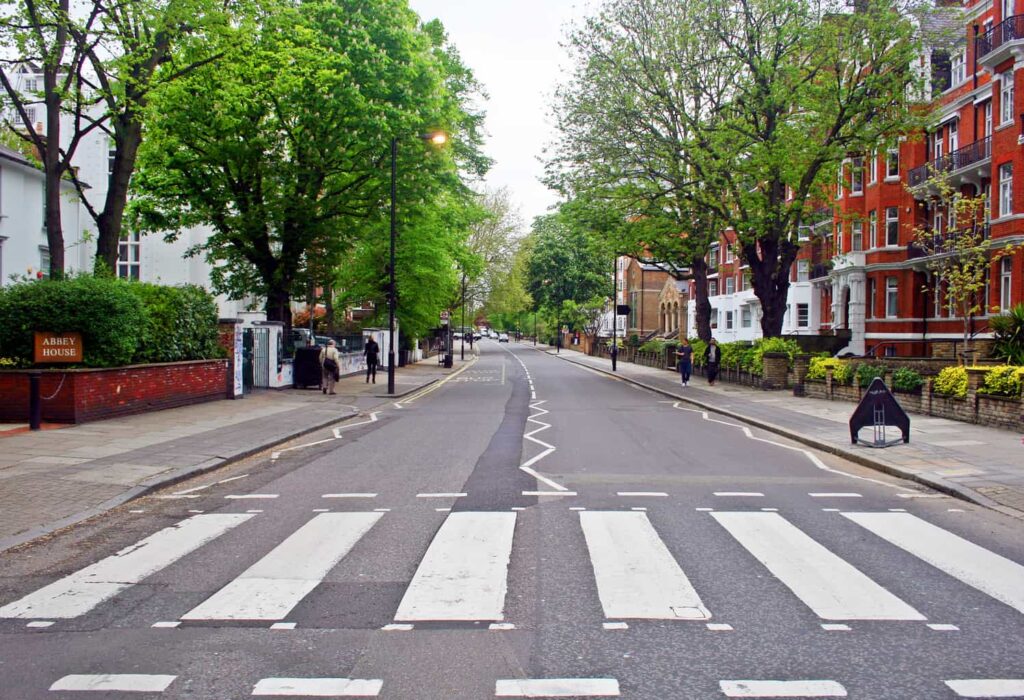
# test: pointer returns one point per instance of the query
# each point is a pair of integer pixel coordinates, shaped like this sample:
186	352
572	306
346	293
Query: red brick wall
81	395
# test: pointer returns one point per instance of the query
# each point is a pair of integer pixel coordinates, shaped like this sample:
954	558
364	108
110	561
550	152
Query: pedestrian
712	357
372	352
684	361
330	367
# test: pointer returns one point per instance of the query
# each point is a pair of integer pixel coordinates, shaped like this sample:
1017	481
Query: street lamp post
615	311
462	350
436	138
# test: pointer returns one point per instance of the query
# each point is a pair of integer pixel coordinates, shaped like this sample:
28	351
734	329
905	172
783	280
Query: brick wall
82	395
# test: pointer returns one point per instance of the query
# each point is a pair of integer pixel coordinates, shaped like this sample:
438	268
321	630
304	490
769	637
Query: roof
12	155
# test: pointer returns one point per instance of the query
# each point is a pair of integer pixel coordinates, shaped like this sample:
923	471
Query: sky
512	46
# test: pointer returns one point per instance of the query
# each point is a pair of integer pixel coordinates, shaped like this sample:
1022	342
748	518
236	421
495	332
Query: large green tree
565	263
283	147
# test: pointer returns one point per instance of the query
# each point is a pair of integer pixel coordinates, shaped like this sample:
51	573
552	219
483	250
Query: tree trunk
702	305
278	306
110	220
770	269
52	165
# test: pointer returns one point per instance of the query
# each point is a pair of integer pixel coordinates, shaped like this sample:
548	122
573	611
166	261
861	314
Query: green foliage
755	358
699	346
565	263
658	345
906	379
842	371
1009	335
867	371
1003	380
104	310
179	323
951	381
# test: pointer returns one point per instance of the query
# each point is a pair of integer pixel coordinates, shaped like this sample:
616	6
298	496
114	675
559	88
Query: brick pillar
828	383
975	376
774	370
228	336
801	364
926	396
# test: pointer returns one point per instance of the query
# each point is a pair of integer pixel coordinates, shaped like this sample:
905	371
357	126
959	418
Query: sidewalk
58	476
979	464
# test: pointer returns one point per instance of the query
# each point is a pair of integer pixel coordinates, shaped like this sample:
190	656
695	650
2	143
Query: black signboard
879	409
622	309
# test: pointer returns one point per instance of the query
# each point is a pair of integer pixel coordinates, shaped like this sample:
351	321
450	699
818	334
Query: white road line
557	688
615	626
396	628
170	624
441	495
283	625
80	592
463	574
233	478
115	682
834	495
987	687
976	566
250	496
782	689
830	586
270	588
636	575
719	627
349	495
922	495
40	623
836	627
944	628
740	494
501	626
549	493
319	687
652	494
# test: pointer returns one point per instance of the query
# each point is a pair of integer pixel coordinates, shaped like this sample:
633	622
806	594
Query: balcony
820	270
997	44
942	243
965	164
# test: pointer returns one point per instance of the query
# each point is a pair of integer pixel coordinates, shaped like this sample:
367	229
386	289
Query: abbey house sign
58	347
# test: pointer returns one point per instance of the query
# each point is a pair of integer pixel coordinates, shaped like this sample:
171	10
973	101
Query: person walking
712	357
684	361
330	367
372	353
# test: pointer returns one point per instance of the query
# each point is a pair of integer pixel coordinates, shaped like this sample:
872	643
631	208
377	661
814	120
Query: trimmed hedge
1003	380
951	381
121	322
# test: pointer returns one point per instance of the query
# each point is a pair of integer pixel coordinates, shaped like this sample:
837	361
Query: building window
713	257
1005	280
713	321
873	168
954	136
959	67
857	236
872	293
728	320
746	318
111	152
803	315
712	288
1008	8
44	261
892	288
937	144
838	239
803	270
873	228
1005	189
30	112
128	260
730	285
729	255
937	222
987	128
951	213
1006	97
892	226
892	164
31	84
857	176
839	184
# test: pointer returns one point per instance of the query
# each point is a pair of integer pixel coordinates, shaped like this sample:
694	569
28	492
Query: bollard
35	404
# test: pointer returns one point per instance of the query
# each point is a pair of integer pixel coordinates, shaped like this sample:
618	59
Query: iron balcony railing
941	243
1010	29
819	270
960	158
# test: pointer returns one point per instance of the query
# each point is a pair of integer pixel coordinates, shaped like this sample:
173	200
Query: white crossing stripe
834	495
80	592
782	689
112	682
319	687
741	494
636	575
988	687
976	566
830	586
557	688
270	588
463	574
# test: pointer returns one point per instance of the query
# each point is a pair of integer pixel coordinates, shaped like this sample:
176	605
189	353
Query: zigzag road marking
337	436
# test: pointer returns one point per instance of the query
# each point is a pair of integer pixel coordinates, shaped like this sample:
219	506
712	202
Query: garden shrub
842	371
699	346
180	323
866	372
907	380
1008	330
1002	380
103	309
951	381
763	345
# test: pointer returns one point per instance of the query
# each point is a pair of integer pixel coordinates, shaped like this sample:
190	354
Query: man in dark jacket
712	358
372	352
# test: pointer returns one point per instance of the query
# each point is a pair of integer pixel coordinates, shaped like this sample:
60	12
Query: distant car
503	337
457	335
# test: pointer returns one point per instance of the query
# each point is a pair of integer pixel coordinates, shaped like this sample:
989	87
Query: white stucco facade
737	316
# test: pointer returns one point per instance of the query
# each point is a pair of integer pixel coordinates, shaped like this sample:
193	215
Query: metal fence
256	357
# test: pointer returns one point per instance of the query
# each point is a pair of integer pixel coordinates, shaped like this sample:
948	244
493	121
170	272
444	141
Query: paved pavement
62	475
980	464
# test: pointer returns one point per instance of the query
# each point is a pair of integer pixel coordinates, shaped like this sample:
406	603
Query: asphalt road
527	529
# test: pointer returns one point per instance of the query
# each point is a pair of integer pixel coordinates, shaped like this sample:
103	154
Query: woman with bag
330	367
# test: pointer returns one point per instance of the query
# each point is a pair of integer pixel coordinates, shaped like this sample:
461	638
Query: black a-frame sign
878	409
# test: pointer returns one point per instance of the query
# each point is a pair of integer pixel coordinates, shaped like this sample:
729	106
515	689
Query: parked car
456	335
503	337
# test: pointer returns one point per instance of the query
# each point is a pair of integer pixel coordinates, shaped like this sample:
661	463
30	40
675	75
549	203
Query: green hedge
1003	380
951	381
121	322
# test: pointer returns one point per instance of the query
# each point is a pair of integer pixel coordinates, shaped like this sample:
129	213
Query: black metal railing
1010	29
942	243
960	158
819	270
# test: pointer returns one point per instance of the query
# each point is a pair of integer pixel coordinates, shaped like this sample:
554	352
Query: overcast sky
513	48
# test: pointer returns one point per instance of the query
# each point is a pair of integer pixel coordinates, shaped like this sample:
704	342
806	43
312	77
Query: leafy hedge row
121	322
745	356
847	372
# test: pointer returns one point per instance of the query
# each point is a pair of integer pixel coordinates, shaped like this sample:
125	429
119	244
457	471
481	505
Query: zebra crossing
463	575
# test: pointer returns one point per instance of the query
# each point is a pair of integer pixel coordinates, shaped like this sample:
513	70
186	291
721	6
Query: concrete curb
934	482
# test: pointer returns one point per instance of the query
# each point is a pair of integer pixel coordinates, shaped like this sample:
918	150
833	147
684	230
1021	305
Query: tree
100	62
283	147
565	264
961	259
